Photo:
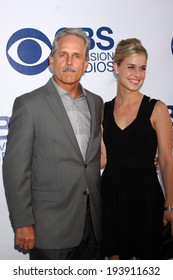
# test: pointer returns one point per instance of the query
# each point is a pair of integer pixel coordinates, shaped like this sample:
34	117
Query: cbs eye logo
25	50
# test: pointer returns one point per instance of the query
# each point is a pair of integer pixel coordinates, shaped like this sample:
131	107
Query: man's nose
69	60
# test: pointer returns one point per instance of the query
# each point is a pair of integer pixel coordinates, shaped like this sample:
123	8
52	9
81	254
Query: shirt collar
61	91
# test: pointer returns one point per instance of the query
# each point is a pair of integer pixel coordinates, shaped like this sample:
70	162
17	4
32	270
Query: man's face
69	61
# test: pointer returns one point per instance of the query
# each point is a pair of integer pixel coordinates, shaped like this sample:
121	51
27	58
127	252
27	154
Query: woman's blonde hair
127	47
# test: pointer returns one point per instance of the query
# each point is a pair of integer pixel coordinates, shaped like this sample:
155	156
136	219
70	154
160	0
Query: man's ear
85	65
51	62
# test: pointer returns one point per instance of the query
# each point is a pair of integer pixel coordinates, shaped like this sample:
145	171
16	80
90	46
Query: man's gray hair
72	31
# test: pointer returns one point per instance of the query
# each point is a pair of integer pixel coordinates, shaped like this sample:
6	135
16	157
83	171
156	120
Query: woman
134	126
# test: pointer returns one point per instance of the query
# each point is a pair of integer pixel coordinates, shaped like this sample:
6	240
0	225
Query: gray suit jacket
45	175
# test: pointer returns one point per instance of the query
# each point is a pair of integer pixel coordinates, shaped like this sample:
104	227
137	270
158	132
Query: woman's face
131	72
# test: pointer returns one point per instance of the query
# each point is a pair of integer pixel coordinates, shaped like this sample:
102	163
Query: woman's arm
161	121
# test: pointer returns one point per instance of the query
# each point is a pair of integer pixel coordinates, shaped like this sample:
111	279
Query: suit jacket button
85	165
85	193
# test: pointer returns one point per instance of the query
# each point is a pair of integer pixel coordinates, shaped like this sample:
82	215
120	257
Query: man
51	167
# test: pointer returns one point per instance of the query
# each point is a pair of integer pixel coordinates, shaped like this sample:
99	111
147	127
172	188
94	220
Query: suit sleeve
17	164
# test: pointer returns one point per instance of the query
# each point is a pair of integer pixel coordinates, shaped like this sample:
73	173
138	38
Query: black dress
133	199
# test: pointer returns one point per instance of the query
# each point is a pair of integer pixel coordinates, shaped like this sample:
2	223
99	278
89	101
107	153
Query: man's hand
156	163
25	237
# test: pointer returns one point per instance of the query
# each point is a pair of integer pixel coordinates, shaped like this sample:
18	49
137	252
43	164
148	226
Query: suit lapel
93	122
56	104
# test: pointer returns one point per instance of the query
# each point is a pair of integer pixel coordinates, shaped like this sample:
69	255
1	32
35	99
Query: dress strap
151	105
143	117
108	109
146	108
